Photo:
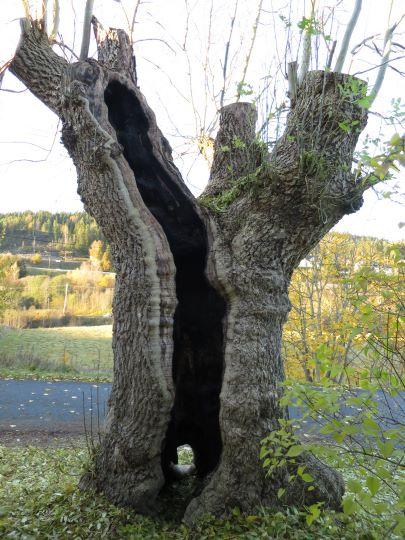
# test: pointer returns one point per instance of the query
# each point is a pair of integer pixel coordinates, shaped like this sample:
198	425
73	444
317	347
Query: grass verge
74	353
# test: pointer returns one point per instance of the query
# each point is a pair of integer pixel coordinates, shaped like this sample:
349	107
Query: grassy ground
82	352
52	272
39	499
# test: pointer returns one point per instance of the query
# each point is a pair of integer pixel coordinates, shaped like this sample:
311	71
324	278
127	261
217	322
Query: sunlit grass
85	350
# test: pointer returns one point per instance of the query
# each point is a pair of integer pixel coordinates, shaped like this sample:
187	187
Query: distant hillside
45	232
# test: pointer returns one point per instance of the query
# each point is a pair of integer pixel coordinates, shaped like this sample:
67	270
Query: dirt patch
52	439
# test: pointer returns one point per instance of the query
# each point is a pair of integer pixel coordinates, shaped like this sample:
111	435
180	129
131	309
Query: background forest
46	232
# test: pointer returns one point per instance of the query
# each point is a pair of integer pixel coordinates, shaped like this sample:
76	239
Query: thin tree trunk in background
88	12
202	285
65	301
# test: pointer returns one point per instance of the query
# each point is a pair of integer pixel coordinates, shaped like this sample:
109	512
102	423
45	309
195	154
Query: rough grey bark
258	217
288	203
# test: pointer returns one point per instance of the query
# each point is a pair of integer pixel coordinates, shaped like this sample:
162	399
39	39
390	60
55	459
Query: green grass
52	272
82	352
39	499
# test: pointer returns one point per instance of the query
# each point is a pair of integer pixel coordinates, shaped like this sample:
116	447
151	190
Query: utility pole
66	298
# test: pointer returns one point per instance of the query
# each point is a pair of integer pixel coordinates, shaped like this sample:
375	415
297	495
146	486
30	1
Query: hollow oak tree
202	285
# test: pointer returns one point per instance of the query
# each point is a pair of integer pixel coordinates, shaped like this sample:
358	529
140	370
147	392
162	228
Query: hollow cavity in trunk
198	331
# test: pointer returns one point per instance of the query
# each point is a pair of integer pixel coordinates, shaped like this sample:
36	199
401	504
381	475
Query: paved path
51	406
61	407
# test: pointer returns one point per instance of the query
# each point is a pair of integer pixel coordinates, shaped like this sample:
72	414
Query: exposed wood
114	49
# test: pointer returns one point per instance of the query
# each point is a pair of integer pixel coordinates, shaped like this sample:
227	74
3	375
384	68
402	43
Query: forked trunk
202	286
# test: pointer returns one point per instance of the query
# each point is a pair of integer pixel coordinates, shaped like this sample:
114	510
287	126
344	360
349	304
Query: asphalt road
62	406
58	406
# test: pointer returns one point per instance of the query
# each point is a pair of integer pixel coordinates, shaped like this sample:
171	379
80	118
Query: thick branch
348	34
313	160
321	134
114	49
84	51
38	67
307	46
235	152
306	185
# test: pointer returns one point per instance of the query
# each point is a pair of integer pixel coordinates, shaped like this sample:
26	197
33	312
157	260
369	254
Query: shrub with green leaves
349	429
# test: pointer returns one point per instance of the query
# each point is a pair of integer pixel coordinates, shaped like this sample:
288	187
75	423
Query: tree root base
225	491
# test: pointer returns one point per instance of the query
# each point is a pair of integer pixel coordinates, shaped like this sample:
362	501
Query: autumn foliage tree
346	290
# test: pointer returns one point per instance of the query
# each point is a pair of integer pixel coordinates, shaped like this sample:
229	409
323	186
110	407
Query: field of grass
39	498
52	272
69	352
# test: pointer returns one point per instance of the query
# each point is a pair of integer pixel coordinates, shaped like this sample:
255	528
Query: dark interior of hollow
198	331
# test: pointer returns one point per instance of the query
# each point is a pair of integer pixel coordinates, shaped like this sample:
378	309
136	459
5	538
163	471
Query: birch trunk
202	285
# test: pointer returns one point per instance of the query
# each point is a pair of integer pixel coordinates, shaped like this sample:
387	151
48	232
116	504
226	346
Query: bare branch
3	70
346	38
330	56
207	68
84	51
292	81
138	3
307	45
26	142
225	65
357	47
55	19
64	46
185	98
9	90
249	55
384	61
26	7
378	67
157	39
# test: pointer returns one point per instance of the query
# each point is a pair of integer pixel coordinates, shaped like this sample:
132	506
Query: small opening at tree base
185	455
185	465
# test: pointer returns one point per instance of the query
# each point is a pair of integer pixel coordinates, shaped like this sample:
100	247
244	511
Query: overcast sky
35	170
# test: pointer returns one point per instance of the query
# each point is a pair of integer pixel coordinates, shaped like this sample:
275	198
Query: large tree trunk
202	285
